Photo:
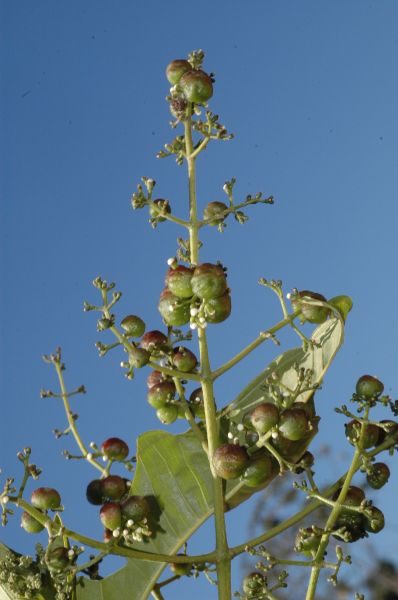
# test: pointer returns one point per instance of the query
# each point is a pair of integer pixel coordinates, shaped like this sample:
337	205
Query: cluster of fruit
43	499
192	85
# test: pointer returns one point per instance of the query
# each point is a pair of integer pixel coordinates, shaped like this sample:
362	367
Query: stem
168	216
189	417
222	550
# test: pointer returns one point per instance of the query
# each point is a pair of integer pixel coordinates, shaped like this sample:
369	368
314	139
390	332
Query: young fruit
30	524
209	281
374	522
139	357
133	326
184	360
294	424
94	492
216	310
113	487
369	387
108	535
46	498
259	469
181	569
176	69
154	378
57	559
343	304
111	515
154	341
159	395
353	521
196	403
196	86
253	584
230	460
310	312
378	475
115	449
307	541
213	211
353	434
136	508
392	430
163	206
264	417
178	281
175	311
167	414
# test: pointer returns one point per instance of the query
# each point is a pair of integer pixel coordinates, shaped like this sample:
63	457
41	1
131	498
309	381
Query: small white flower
193	325
202	320
288	295
130	523
125	532
116	533
274	435
171	261
240	427
71	553
89	456
230	435
194	311
171	308
5	499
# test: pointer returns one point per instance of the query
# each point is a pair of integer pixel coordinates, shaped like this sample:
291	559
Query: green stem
188	415
168	216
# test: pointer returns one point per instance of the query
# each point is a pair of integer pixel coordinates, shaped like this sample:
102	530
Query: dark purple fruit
378	475
216	310
264	417
30	524
111	515
257	472
167	414
230	460
175	311
254	583
154	378
133	326
310	312
113	487
176	69
46	498
209	281
154	341
213	210
94	492
136	508
184	360
294	424
374	522
57	559
159	395
369	387
178	281
115	449
353	433
196	86
164	207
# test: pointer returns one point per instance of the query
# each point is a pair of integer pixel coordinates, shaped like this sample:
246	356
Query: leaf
173	470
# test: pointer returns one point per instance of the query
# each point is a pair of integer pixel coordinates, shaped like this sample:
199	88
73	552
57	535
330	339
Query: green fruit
392	430
353	521
46	498
216	310
181	569
178	281
175	311
196	86
115	449
287	448
136	508
139	357
294	424
353	433
378	475
343	304
133	326
264	417
57	559
374	520
154	341
184	360
154	378
209	281
254	583
164	207
307	541
196	403
167	414
113	487
94	492
30	524
213	211
310	312
369	387
160	394
305	462
176	69
111	515
230	460
258	470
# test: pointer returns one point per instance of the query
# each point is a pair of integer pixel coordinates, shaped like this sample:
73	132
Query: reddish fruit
213	211
369	387
175	311
184	360
136	508
178	281
230	460
264	417
310	312
176	69
196	86
154	341
115	449
94	492
30	524
209	281
161	393
216	310
154	378
46	498
111	515
113	487
294	424
133	326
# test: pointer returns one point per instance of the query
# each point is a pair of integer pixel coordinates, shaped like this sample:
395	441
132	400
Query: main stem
222	550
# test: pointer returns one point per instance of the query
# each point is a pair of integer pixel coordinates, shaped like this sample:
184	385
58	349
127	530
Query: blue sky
310	91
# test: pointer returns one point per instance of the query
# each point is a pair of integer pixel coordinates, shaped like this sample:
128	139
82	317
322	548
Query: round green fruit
374	520
94	492
215	212
176	69
46	498
294	424
167	414
136	508
139	357
209	281
257	472
196	403
178	281
57	559
175	311
378	475
353	433
310	312
30	524
133	326
160	394
216	310
264	417
154	341
230	460
392	430
115	449
196	86
113	487
111	515
163	206
181	569
343	304
184	360
254	583
369	387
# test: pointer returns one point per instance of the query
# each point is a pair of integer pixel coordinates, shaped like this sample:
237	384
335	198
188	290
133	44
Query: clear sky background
310	91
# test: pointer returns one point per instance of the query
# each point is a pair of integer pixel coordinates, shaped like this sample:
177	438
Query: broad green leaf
173	469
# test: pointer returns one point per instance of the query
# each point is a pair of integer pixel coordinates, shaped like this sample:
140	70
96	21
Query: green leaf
173	470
